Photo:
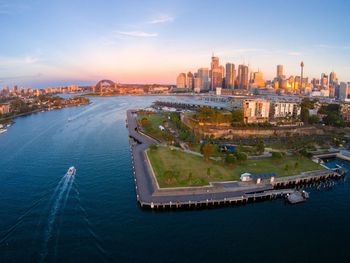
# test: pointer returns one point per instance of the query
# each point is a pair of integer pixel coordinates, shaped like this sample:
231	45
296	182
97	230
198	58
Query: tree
277	155
241	156
260	147
314	119
207	150
208	171
144	122
306	105
230	159
286	167
334	119
237	116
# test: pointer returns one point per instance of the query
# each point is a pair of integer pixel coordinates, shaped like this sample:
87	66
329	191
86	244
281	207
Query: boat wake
57	205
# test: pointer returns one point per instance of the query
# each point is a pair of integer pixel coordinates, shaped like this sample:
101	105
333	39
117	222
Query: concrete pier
149	195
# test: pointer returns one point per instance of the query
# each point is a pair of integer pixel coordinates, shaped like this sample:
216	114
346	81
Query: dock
149	195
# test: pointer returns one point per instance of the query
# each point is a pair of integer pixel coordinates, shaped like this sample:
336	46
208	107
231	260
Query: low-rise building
4	108
285	110
256	110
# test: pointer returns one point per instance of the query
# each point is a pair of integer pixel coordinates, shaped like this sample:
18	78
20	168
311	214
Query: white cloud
18	61
332	46
162	19
137	34
294	53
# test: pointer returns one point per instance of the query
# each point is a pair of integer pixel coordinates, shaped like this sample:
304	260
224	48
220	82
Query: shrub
153	147
230	159
277	155
241	156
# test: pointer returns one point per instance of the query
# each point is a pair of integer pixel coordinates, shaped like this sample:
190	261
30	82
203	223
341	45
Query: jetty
150	195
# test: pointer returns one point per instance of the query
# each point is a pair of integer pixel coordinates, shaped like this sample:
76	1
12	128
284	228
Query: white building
256	110
285	109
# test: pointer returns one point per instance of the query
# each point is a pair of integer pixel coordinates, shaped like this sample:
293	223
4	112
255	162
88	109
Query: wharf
149	195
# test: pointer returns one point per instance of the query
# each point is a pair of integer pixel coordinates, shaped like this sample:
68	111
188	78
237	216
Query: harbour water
94	217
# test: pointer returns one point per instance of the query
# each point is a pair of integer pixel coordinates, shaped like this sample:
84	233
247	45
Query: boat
71	171
3	130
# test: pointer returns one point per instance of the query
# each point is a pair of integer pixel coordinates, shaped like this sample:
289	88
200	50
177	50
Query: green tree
208	150
277	155
260	146
208	171
230	159
305	106
237	116
241	156
314	119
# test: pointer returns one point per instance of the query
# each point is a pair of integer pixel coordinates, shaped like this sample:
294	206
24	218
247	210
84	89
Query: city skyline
51	44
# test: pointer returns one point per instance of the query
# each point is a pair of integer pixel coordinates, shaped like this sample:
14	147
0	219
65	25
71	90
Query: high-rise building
203	74
242	77
216	73
230	77
216	77
258	79
279	71
301	74
214	62
181	81
333	78
190	81
344	92
324	81
197	84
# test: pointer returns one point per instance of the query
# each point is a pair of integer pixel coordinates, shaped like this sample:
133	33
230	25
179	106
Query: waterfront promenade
221	193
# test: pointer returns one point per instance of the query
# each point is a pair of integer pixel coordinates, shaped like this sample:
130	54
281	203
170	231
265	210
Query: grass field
174	168
151	126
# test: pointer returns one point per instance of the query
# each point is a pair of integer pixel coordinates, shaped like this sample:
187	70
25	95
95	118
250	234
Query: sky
61	42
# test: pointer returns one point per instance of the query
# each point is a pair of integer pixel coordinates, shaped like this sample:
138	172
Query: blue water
98	219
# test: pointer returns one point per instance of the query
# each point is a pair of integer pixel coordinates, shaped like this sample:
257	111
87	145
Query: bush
230	159
153	147
241	156
305	153
277	155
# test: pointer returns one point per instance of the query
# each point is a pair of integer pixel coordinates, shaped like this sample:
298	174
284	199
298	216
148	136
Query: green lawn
174	168
151	126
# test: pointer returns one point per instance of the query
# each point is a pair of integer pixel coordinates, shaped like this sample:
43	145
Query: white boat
71	171
3	130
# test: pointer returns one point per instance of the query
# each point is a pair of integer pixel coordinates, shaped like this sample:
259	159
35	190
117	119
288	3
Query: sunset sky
50	43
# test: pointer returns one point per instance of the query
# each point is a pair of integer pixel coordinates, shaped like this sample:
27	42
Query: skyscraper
333	78
203	75
216	73
324	81
301	74
258	79
242	77
279	71
181	81
344	92
230	77
214	62
190	81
